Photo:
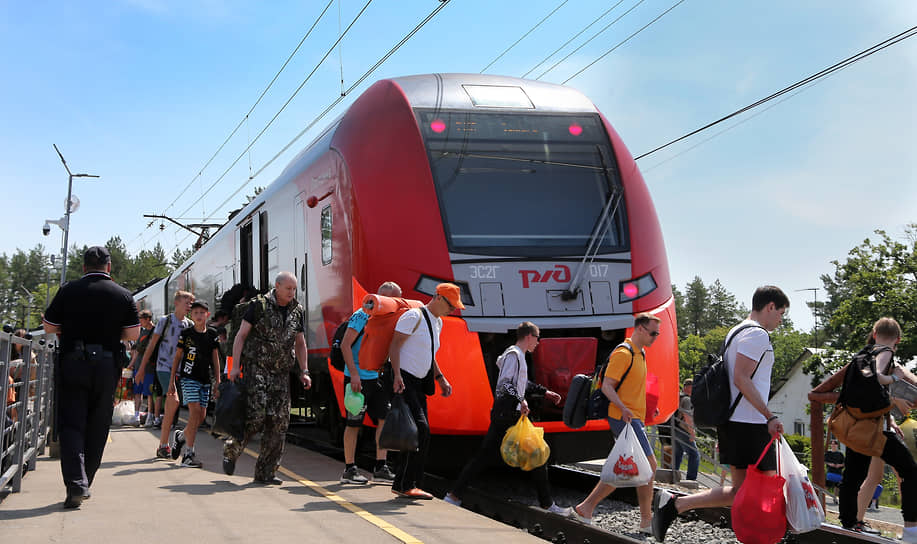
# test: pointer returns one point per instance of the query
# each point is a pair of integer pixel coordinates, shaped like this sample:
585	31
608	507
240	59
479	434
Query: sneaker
353	476
579	517
909	535
384	474
157	422
559	510
864	527
164	452
229	466
136	421
648	530
664	514
177	443
452	499
149	421
273	480
188	460
416	493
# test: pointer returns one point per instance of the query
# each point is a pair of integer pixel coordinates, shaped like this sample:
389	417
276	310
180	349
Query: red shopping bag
759	509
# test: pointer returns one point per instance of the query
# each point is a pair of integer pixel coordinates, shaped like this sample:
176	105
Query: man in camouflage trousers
270	333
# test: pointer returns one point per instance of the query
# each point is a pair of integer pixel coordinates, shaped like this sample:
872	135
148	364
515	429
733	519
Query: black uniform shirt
93	309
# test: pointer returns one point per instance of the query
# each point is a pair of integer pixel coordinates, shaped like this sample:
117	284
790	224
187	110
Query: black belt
89	351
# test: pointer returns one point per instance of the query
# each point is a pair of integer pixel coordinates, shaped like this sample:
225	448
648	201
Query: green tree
877	279
723	308
692	356
697	301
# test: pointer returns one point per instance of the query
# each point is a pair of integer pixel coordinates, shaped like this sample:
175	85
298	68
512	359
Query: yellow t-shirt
633	391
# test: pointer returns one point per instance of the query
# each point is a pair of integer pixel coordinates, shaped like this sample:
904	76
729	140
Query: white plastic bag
627	465
123	414
803	507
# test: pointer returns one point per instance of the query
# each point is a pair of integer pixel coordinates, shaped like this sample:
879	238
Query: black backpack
337	357
711	395
598	402
861	387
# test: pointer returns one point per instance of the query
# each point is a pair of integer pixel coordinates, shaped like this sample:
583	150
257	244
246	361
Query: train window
520	184
326	235
263	244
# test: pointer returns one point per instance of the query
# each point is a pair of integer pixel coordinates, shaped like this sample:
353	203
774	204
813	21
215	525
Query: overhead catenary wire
442	4
507	50
577	35
283	107
594	36
805	81
625	40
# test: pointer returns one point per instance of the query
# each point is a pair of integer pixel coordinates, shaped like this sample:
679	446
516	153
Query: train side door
301	261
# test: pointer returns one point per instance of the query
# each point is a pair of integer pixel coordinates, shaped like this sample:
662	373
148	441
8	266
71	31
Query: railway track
492	503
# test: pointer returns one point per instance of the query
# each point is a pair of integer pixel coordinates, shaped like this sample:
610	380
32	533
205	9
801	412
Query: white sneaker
149	420
559	510
136	421
909	535
579	517
452	499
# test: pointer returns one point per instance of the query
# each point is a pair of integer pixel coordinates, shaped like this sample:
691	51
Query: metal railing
706	448
26	418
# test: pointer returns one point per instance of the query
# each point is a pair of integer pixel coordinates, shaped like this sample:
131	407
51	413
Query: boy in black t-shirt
196	355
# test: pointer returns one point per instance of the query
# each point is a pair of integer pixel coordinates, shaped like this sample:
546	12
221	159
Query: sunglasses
652	333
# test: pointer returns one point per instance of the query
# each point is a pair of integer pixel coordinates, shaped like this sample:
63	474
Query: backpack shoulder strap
728	340
631	365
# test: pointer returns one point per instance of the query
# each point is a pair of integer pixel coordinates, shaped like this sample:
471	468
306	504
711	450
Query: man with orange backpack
376	397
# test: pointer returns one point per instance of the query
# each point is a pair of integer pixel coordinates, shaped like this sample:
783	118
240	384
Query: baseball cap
200	304
96	256
452	293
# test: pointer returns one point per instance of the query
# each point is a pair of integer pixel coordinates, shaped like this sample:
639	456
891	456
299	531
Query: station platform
138	498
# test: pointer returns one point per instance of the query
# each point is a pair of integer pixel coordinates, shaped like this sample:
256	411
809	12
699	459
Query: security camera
46	229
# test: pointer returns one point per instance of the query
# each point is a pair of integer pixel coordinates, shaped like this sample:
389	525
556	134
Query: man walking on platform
685	434
92	315
271	331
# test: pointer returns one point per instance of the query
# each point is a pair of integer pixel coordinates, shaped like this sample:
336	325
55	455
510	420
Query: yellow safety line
347	505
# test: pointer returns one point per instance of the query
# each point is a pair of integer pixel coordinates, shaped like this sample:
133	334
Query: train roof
475	91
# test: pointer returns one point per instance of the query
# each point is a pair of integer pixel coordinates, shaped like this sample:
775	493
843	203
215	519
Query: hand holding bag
804	512
759	508
627	465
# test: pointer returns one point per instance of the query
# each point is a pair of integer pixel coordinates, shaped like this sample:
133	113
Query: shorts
617	426
145	388
195	391
741	445
377	401
162	377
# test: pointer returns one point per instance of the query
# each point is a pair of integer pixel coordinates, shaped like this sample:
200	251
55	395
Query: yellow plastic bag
524	445
909	429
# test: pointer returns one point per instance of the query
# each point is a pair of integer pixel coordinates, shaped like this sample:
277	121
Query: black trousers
409	465
503	416
856	466
86	390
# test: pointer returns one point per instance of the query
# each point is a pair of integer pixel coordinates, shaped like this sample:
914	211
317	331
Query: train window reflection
523	184
326	235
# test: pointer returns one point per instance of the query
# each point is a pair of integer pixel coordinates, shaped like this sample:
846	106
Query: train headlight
635	288
427	285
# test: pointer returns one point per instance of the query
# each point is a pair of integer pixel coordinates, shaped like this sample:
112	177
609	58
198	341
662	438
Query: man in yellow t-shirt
624	384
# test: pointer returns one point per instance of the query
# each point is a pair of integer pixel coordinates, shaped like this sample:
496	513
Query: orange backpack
384	313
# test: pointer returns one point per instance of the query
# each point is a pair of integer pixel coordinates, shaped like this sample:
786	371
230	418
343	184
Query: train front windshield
529	185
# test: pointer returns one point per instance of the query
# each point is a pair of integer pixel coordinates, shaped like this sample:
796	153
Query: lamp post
814	311
66	218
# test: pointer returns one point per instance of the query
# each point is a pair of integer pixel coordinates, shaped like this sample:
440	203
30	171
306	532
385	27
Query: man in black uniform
92	315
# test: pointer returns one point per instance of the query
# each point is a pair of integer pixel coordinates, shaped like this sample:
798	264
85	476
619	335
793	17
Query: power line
817	75
258	101
276	115
393	50
594	36
625	40
545	18
578	34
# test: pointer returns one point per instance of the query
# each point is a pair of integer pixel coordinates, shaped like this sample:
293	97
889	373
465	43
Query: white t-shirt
415	352
755	344
169	341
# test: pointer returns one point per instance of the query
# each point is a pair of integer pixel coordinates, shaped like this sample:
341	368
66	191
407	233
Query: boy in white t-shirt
750	359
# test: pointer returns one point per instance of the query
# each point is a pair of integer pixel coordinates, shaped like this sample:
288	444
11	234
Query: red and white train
518	191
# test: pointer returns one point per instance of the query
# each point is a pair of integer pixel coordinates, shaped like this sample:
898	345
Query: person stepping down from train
376	394
750	360
413	356
624	383
509	402
197	357
272	328
163	343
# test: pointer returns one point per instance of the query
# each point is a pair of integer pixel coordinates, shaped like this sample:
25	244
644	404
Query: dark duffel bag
229	417
576	406
399	433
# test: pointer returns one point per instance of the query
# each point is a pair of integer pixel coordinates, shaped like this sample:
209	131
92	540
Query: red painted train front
518	191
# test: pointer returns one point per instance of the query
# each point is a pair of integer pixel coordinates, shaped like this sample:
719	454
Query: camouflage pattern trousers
268	414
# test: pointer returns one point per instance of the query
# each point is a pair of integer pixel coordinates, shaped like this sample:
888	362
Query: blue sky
142	92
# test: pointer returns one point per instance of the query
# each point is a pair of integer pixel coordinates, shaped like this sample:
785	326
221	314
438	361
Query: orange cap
452	293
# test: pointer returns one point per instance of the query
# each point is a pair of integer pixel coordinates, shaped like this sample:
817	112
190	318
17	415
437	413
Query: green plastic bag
353	402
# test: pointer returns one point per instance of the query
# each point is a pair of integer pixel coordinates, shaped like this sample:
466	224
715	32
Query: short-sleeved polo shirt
93	309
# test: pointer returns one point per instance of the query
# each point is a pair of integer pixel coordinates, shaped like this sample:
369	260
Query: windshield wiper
606	220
